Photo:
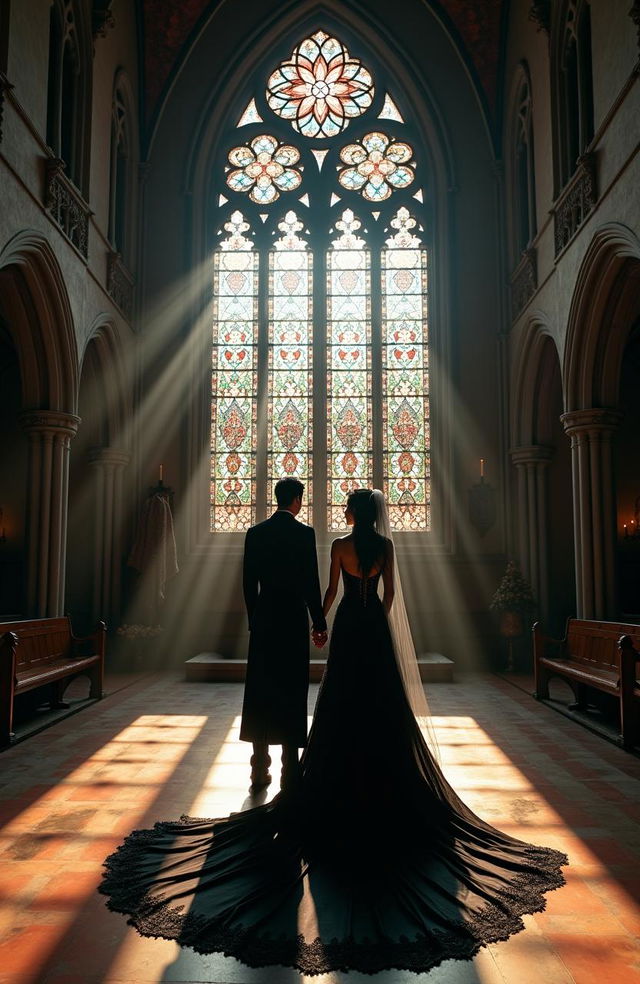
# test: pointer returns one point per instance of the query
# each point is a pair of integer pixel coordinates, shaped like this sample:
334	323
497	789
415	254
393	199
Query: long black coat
280	580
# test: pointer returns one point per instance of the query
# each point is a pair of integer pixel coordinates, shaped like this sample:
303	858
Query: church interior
212	277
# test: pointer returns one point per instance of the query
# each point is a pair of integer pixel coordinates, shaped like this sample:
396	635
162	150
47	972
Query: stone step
214	668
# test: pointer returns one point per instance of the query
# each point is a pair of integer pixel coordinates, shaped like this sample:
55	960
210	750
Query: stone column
594	519
49	433
109	465
531	464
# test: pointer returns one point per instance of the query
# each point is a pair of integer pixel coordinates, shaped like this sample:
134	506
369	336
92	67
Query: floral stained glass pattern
320	88
290	408
405	377
377	167
263	169
349	428
234	380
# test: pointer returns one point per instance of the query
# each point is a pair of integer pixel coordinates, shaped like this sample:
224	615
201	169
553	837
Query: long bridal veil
404	648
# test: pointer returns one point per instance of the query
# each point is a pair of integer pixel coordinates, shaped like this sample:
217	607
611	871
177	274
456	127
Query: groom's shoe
260	775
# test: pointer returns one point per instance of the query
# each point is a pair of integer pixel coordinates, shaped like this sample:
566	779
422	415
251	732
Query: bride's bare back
344	557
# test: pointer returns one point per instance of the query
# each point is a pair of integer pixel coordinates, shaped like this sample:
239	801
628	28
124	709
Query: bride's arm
387	578
334	574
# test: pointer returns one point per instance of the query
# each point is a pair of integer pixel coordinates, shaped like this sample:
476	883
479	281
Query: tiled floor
161	747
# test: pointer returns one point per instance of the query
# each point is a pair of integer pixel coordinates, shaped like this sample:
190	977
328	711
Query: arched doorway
96	504
543	534
13	482
627	468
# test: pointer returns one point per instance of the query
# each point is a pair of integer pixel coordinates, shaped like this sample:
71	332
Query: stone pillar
109	465
531	464
49	433
594	518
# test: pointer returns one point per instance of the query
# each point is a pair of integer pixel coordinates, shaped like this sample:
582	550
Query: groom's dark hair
288	489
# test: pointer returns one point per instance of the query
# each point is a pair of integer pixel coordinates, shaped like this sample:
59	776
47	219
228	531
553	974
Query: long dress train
372	863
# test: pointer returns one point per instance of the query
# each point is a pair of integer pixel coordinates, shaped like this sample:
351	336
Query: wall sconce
482	504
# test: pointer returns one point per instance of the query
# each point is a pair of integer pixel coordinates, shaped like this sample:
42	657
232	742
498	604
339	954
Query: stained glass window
349	433
320	87
263	169
290	407
320	336
234	380
378	166
405	377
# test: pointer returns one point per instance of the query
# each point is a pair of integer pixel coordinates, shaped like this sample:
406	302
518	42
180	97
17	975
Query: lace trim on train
491	925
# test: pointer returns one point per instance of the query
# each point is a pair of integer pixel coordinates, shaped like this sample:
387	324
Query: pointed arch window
320	363
573	84
69	89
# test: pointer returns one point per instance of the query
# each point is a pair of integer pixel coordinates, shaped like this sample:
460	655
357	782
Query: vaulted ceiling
170	26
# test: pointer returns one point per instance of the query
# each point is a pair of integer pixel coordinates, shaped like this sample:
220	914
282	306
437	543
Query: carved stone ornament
102	19
575	202
482	506
524	281
540	14
592	419
66	205
120	284
50	421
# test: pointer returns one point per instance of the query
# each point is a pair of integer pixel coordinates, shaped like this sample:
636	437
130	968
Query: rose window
377	167
320	88
263	169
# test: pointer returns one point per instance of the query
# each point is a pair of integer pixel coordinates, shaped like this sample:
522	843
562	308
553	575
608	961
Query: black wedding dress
372	863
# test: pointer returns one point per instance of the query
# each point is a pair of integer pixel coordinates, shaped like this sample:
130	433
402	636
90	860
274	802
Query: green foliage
514	593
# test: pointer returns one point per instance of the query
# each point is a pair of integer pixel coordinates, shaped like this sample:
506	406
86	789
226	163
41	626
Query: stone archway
96	500
36	310
540	454
605	306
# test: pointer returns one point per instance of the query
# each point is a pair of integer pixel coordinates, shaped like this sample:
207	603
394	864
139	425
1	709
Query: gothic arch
519	134
41	323
125	155
105	344
532	364
605	301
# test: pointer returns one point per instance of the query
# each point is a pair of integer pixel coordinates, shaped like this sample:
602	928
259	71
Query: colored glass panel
377	168
320	87
290	389
349	425
263	169
234	381
407	483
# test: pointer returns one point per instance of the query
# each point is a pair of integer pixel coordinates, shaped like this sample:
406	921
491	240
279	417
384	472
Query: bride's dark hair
369	544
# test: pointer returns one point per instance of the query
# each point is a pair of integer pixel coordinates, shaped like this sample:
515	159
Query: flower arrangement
136	631
514	593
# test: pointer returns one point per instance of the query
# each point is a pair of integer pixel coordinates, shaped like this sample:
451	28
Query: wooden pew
45	651
601	655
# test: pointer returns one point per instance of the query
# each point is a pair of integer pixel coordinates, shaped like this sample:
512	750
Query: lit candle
160	472
626	531
481	467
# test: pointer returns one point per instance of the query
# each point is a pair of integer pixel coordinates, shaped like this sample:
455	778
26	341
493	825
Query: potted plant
513	602
136	640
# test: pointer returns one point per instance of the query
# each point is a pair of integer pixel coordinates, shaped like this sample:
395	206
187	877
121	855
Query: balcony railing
66	205
524	281
575	202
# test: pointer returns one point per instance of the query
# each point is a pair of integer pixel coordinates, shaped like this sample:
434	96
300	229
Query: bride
371	861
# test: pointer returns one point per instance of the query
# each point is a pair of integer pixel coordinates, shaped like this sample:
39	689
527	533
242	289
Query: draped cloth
154	552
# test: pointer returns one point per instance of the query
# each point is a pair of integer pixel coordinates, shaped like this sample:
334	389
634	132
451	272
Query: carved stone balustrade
67	206
524	281
120	284
576	201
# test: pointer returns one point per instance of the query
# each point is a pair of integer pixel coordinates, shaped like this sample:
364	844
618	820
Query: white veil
402	639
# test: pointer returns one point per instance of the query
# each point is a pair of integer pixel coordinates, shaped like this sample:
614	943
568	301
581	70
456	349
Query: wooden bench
42	652
601	655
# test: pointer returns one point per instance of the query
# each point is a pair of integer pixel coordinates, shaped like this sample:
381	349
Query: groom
280	581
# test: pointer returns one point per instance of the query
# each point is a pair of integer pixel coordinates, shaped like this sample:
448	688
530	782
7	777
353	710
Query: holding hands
319	638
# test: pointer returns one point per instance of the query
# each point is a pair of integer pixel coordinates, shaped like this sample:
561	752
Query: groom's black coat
280	580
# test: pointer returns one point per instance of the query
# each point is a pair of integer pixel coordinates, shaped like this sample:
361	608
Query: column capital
532	454
50	422
592	419
109	456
